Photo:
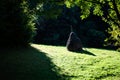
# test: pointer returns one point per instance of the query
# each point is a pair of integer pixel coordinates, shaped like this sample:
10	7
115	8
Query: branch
113	20
116	9
94	2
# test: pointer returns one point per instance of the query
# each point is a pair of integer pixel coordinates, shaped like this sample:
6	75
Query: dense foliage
56	30
16	23
17	20
108	10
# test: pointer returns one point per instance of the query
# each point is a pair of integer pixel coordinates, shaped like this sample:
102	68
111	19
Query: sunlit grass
45	62
103	65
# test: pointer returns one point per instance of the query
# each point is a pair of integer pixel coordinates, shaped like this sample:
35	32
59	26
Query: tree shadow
27	64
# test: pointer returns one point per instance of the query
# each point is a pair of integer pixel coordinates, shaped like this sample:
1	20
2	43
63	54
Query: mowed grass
95	64
26	64
43	62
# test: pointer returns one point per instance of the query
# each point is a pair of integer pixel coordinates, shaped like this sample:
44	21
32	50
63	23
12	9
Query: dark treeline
18	23
55	31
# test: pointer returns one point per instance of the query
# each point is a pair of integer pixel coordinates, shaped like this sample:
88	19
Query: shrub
16	23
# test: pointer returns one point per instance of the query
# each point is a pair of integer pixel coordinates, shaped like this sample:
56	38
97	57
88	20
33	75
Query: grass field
43	62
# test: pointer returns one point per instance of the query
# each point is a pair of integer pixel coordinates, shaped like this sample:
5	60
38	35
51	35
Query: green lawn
43	62
26	64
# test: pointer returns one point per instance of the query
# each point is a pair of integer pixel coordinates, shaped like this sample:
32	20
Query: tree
17	21
108	10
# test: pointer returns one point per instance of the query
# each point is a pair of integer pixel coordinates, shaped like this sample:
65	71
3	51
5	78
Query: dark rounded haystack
74	43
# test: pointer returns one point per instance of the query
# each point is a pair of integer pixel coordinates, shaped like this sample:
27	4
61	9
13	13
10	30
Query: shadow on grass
26	64
85	52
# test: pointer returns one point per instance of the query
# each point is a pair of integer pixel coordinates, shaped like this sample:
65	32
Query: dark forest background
55	31
26	21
